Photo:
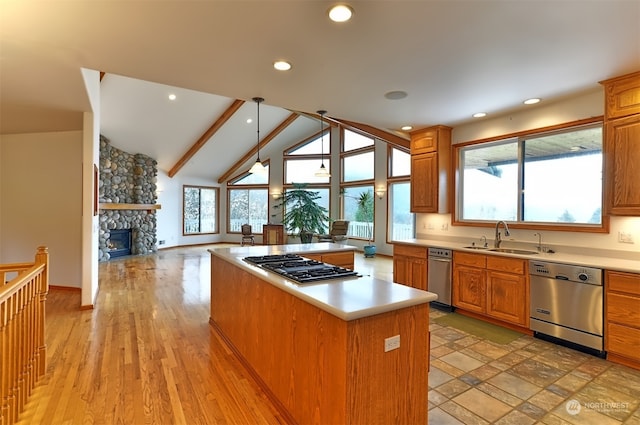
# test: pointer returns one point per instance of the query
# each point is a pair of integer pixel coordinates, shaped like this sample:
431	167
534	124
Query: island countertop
346	298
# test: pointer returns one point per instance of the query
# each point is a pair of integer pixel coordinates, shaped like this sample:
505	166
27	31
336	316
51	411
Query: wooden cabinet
469	285
410	266
622	317
622	145
341	259
494	286
430	169
508	290
273	234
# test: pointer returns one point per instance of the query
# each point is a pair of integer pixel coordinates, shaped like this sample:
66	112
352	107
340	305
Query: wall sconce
380	192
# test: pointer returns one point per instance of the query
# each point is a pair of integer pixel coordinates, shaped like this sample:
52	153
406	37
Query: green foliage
302	213
365	210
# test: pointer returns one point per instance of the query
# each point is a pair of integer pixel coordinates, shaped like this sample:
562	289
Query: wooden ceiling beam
206	136
279	129
376	132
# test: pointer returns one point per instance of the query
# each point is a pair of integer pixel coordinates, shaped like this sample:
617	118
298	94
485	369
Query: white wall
586	105
41	186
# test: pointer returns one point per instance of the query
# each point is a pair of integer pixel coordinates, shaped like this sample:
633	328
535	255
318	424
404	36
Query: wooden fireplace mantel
118	206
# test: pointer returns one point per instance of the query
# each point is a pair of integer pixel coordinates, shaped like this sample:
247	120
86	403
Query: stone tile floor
528	381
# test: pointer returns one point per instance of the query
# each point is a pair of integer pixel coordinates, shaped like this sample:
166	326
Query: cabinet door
622	96
342	259
425	141
424	183
401	269
622	154
507	297
469	287
419	273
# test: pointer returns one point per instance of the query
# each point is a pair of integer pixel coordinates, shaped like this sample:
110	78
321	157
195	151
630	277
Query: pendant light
322	171
257	167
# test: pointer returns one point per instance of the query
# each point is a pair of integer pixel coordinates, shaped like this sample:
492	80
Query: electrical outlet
430	226
161	242
625	237
445	226
392	343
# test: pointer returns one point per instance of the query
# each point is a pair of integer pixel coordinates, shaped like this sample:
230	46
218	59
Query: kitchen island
318	350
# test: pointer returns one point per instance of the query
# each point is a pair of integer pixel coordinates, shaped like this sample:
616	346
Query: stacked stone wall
127	179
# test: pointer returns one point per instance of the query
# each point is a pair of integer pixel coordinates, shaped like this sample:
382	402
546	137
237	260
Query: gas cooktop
300	269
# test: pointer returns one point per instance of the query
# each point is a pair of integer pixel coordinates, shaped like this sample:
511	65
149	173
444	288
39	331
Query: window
200	210
401	221
248	206
544	178
359	214
303	160
400	163
248	202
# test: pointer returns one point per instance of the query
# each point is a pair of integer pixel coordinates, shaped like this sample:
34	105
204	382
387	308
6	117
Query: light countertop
348	298
603	262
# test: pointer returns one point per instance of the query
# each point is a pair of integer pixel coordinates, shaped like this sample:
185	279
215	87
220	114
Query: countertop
603	262
349	298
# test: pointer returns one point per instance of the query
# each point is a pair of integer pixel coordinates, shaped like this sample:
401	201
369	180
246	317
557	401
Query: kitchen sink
514	251
475	247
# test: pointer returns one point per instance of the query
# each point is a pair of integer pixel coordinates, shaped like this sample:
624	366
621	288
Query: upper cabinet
430	169
622	144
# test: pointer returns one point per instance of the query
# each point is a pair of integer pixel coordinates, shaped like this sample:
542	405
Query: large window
303	160
357	184
248	202
401	220
200	210
552	178
358	208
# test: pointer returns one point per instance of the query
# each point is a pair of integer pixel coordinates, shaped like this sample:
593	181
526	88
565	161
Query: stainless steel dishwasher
566	305
439	277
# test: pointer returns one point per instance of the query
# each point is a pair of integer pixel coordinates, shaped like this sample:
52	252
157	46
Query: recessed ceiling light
340	13
395	95
531	101
479	114
172	96
406	128
282	65
249	120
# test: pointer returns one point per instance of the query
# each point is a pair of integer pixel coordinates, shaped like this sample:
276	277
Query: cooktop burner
300	269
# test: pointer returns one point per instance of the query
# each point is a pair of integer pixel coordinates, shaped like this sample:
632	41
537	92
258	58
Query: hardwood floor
145	354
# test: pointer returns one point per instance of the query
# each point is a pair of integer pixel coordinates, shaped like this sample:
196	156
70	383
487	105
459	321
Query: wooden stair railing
22	326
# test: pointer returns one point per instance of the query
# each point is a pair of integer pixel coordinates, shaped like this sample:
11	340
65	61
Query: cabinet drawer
467	259
623	282
623	340
342	259
623	309
511	265
410	251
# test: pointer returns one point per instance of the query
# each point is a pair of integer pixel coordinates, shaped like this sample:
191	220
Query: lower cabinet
341	259
493	286
622	317
410	266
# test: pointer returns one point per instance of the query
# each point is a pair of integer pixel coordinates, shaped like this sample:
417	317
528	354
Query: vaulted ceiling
452	58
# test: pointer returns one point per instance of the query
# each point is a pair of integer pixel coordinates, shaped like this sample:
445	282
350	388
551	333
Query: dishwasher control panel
569	272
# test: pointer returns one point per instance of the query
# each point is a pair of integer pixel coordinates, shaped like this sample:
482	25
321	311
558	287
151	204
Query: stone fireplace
127	190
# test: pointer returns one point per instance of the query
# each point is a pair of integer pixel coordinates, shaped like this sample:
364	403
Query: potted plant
365	213
302	213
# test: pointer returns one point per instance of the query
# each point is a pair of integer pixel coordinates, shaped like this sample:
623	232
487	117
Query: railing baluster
22	343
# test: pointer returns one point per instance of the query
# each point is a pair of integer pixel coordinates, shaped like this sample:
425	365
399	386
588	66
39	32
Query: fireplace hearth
119	243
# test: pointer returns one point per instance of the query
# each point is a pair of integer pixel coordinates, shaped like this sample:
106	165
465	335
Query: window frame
236	184
603	227
216	191
391	181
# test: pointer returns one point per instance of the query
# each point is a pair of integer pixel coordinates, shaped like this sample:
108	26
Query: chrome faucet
498	239
539	235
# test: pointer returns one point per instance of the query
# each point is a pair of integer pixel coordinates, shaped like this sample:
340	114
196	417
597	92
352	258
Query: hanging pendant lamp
322	171
257	167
